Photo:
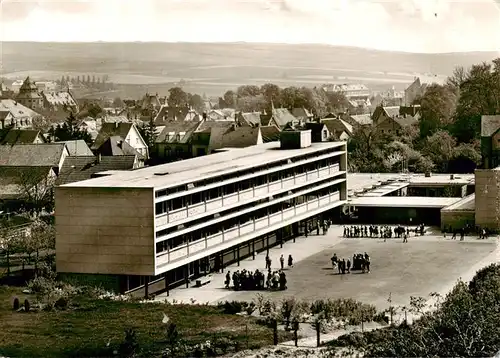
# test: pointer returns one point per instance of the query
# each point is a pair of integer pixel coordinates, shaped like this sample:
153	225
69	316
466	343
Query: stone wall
456	219
487	198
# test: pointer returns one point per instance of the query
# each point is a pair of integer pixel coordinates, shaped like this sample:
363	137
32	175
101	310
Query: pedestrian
348	266
405	238
228	279
290	261
282	262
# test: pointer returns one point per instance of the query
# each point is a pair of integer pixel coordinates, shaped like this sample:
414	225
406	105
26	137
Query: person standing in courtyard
228	279
348	266
405	238
282	262
290	261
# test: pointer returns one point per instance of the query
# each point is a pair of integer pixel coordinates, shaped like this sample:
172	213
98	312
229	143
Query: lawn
85	330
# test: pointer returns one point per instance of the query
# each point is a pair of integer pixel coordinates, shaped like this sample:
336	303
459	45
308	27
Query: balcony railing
244	228
191	211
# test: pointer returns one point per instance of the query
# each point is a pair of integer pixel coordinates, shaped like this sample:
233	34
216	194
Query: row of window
196	235
208	181
240	208
228	189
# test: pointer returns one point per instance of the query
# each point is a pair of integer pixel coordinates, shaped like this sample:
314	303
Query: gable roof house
23	136
270	133
20	116
381	113
77	148
86	167
166	114
490	141
59	101
319	132
126	132
248	119
338	128
50	155
279	117
174	141
209	136
395	125
302	114
358	120
242	137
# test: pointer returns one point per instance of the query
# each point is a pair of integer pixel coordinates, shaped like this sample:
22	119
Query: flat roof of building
189	170
402	202
441	179
466	204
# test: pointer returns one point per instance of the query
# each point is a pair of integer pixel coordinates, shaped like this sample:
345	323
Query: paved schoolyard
424	265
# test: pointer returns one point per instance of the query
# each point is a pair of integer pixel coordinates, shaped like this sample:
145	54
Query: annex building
167	224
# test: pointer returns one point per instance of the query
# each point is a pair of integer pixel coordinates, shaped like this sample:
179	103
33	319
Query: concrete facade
105	231
487	198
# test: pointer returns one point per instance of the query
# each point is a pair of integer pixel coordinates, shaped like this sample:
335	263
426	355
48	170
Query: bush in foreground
463	324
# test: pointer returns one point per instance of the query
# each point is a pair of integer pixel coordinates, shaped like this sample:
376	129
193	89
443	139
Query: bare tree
36	188
39	238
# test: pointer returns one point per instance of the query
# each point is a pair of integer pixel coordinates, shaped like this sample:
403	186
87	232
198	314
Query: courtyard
417	268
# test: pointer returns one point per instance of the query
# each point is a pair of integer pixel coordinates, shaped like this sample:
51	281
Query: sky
432	26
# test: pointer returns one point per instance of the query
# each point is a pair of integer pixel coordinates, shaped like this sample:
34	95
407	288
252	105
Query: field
86	330
214	68
418	268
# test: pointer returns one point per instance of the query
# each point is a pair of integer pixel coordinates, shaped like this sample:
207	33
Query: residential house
77	148
270	134
152	101
248	119
20	116
418	87
302	114
358	95
23	136
338	128
217	115
86	167
128	133
28	95
382	113
59	101
116	146
358	120
166	114
413	110
174	141
279	117
395	125
490	141
5	93
319	132
242	137
209	136
50	155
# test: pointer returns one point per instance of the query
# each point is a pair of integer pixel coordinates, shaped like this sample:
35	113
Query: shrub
26	305
130	343
16	303
232	307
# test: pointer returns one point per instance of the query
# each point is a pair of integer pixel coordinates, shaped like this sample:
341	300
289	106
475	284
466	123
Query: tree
479	95
438	105
118	103
248	91
336	101
251	104
177	97
40	237
230	99
440	148
196	102
36	186
70	130
9	241
271	94
148	133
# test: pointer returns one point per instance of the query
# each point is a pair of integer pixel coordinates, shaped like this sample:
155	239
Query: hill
227	65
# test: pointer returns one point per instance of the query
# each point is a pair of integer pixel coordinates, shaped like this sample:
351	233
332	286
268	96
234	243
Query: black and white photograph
249	178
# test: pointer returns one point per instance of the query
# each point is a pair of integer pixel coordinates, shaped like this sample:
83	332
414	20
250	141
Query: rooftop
466	204
199	168
403	202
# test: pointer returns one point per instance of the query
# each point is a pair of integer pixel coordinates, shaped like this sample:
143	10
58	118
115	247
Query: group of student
359	262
